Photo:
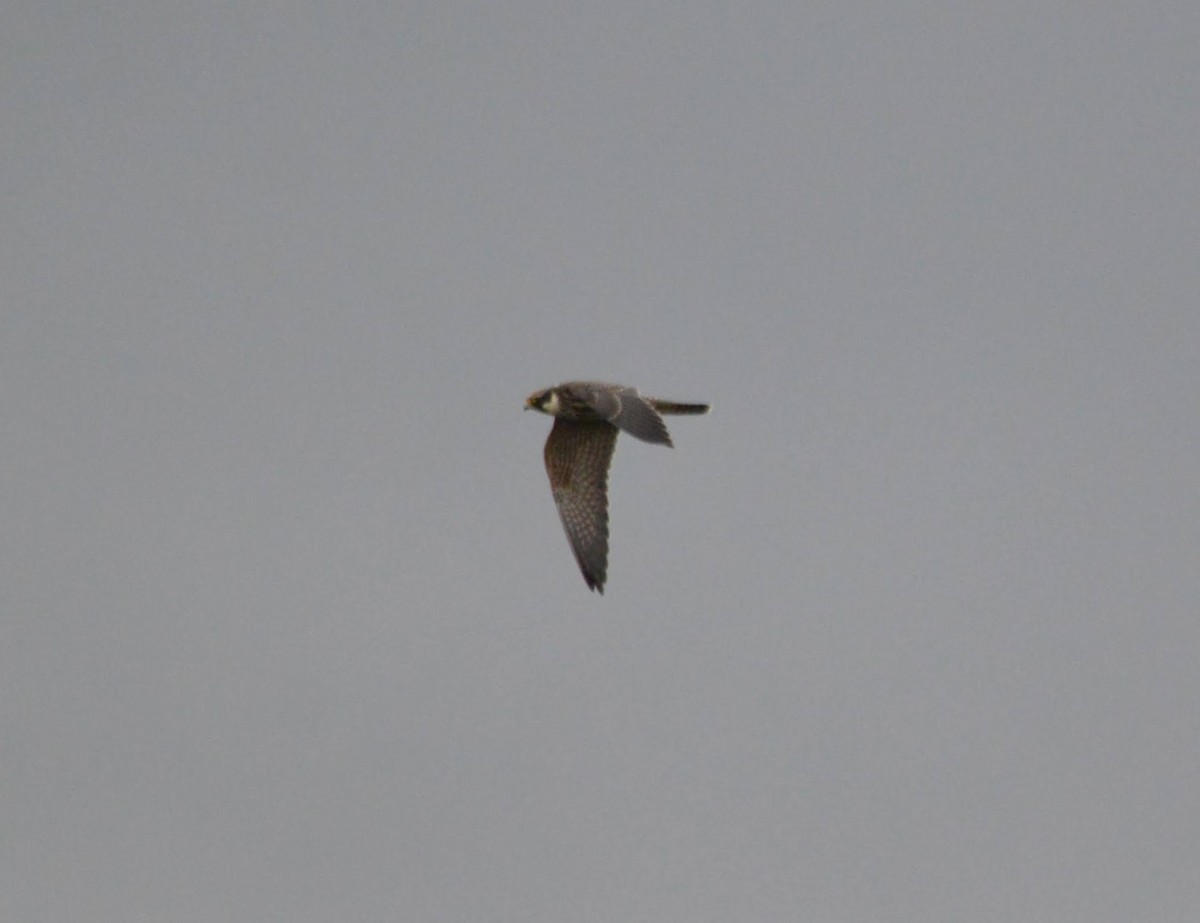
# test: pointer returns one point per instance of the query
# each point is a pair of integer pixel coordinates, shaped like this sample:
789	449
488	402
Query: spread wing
577	459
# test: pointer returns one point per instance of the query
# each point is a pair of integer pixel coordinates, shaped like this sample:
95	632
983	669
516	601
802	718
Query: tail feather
676	407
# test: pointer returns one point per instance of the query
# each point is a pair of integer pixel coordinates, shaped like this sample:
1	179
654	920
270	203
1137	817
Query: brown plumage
579	450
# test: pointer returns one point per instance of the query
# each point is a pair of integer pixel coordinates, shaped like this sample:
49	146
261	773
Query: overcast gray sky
906	629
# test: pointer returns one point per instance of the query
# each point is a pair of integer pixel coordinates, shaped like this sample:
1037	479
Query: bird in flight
587	416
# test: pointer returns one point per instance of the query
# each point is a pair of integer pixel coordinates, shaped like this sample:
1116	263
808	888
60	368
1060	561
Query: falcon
587	417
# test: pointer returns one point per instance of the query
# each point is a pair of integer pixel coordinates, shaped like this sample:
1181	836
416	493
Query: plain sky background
906	629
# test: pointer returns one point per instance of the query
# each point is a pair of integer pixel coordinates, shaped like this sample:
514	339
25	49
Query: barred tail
676	407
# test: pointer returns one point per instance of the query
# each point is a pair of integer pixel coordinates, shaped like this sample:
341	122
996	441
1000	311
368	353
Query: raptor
587	417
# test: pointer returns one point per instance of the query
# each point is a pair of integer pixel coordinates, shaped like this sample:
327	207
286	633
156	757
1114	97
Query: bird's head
546	401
